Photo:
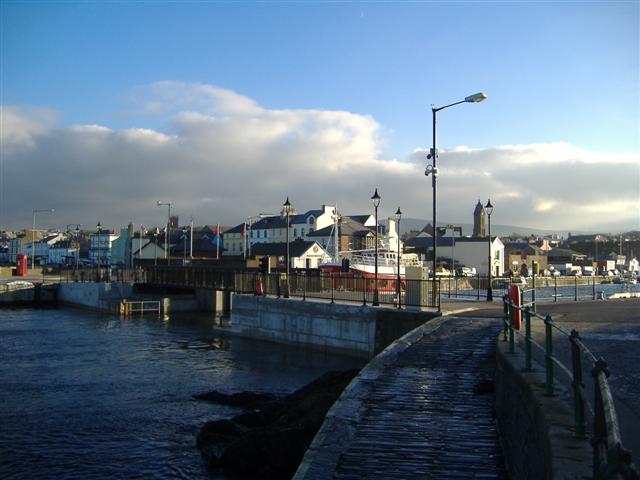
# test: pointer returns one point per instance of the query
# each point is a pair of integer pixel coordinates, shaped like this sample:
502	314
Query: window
258	233
302	232
295	232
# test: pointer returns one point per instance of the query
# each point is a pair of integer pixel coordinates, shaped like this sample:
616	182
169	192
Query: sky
227	108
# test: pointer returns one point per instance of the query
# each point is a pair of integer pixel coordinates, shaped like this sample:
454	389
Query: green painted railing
610	459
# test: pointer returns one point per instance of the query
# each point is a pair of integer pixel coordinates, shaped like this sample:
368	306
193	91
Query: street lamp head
376	199
99	227
287	204
488	207
398	214
475	98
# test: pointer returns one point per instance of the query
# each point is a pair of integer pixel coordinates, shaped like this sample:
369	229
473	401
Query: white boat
363	262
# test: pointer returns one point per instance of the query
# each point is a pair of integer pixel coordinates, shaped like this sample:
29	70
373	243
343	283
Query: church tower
479	216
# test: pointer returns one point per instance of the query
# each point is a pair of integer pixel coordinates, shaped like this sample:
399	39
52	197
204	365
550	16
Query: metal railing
344	287
103	275
610	458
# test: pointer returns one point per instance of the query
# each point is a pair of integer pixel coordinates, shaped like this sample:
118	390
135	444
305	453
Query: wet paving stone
423	419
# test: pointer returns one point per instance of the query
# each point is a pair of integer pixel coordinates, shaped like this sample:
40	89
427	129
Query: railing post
575	288
449	283
533	285
527	318
555	288
363	282
478	293
332	294
304	287
578	386
593	284
549	386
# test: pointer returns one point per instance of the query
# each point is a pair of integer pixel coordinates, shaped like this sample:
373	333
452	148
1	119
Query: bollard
549	387
505	323
578	386
527	318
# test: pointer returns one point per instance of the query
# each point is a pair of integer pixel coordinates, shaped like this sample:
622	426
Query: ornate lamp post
287	210
184	238
376	202
489	209
156	232
33	233
77	245
99	248
398	289
433	171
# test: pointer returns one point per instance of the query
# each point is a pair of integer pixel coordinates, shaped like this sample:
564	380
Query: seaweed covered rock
270	438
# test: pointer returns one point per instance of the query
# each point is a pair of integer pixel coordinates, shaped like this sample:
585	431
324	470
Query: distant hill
408	224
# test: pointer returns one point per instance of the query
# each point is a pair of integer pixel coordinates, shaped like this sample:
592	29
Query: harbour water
89	396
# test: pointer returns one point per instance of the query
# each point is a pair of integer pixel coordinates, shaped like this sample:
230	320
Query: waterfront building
302	253
100	245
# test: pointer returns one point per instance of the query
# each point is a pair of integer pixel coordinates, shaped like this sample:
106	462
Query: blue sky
554	72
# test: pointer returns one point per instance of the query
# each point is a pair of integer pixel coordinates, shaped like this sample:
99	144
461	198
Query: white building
240	239
100	247
474	252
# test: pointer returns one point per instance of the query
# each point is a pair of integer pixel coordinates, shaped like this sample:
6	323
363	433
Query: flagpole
244	238
191	242
218	242
140	242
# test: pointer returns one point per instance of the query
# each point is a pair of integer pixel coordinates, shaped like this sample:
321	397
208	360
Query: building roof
348	227
297	248
526	247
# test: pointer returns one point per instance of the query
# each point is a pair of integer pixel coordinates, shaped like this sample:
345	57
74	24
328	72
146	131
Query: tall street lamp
489	209
398	289
287	209
33	233
376	202
169	205
433	171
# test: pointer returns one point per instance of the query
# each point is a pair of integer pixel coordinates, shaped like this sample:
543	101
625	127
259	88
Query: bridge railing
344	287
610	458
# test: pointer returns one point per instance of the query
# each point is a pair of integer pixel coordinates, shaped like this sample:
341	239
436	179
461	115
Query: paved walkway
414	412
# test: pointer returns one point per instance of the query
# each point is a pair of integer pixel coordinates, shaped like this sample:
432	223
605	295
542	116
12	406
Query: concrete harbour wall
536	431
357	330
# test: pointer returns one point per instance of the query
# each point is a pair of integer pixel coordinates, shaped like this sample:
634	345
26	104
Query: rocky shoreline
269	439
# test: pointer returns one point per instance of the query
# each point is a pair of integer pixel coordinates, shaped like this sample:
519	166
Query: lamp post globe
489	209
375	198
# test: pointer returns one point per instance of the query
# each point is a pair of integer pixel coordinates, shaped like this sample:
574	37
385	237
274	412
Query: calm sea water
88	396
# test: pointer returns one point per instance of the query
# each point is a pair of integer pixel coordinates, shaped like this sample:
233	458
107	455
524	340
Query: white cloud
225	157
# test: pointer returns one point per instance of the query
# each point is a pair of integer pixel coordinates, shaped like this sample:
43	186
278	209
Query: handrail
611	459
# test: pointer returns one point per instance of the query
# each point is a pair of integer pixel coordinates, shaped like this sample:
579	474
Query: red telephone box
21	265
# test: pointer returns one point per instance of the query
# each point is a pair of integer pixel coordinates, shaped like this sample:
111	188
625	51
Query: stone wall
536	430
